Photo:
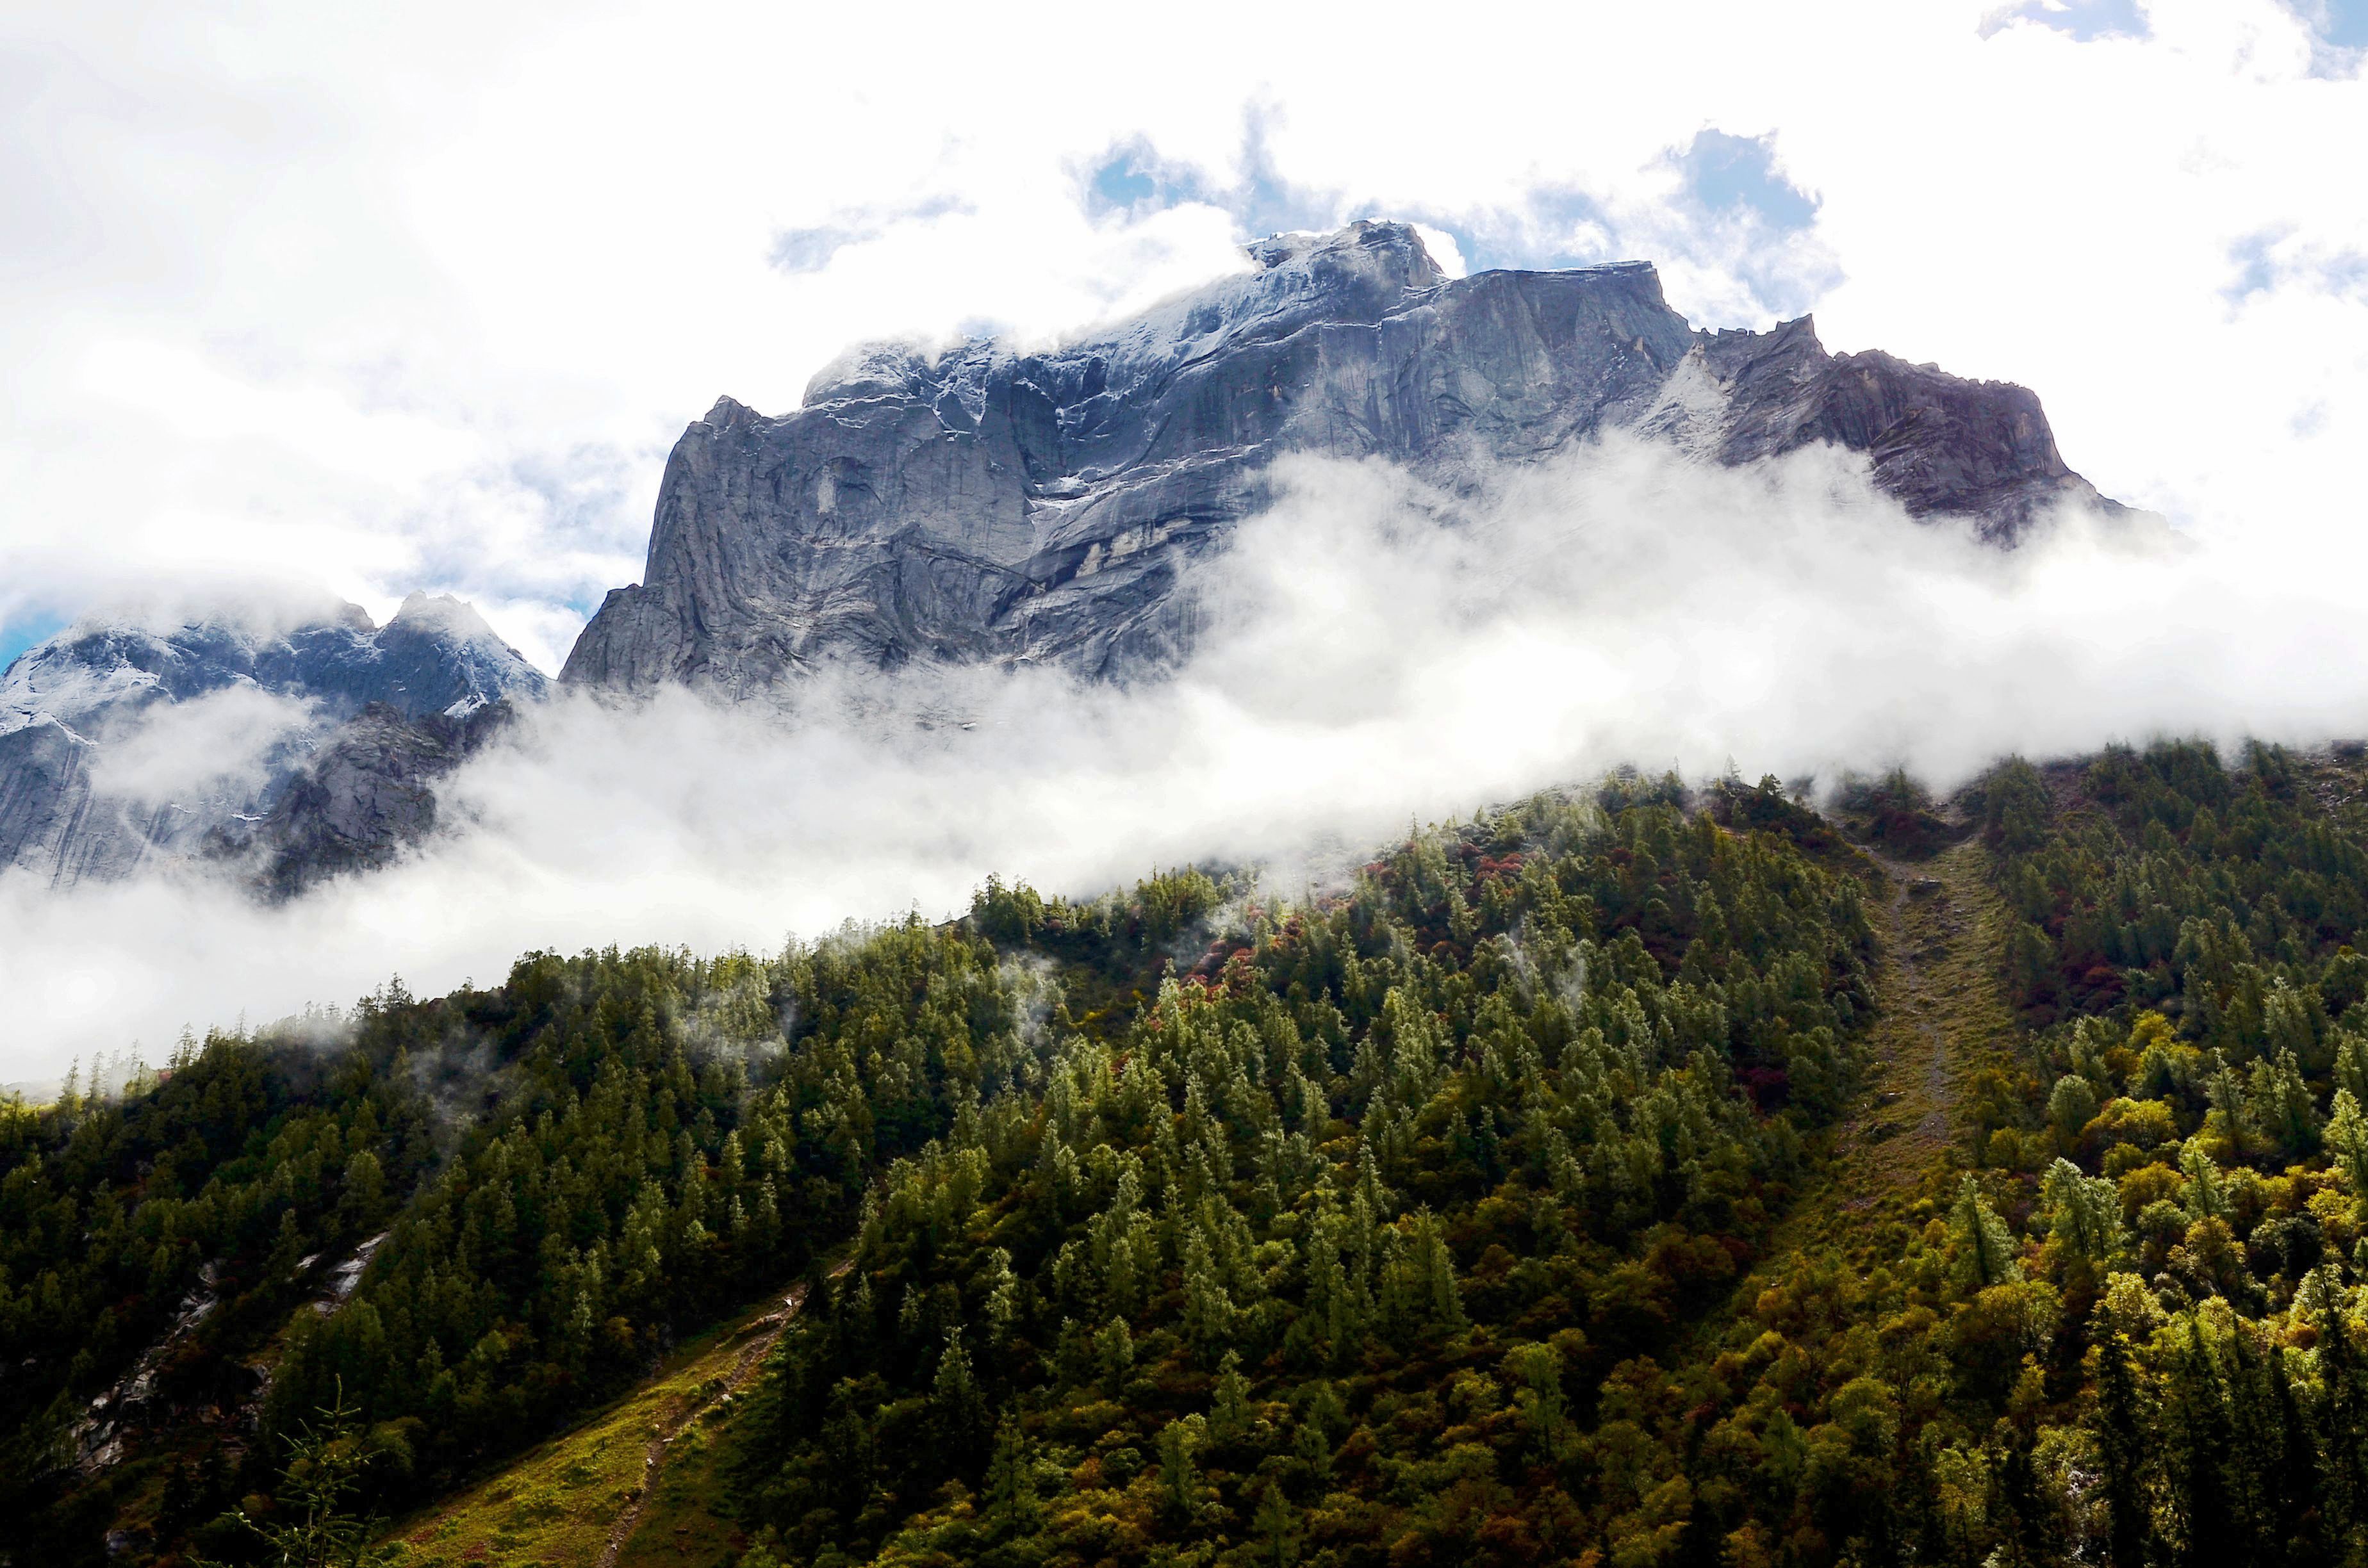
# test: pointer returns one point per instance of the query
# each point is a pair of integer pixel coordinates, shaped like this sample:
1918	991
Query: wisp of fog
1371	651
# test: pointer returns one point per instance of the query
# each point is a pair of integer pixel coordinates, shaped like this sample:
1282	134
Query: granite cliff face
367	791
124	747
988	505
977	506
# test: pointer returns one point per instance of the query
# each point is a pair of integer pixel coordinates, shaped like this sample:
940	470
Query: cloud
300	291
220	743
2339	34
2274	259
1721	215
1444	249
1373	651
812	249
1550	225
1737	227
1135	178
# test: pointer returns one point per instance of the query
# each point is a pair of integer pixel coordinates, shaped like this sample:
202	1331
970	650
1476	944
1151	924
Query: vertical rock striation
982	505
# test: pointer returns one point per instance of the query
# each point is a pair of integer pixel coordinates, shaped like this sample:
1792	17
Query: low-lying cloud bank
1372	651
223	743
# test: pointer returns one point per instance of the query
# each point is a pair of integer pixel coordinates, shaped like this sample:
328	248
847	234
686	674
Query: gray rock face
123	747
1943	446
988	505
361	797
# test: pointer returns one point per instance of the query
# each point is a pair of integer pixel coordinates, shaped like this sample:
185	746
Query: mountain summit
122	745
978	506
985	505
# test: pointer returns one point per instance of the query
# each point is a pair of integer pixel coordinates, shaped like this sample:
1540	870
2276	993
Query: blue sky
2338	28
2086	20
1723	180
22	632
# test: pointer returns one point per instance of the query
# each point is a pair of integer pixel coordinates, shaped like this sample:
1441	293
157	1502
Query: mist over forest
1374	651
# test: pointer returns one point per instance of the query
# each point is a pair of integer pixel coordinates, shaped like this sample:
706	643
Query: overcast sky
420	301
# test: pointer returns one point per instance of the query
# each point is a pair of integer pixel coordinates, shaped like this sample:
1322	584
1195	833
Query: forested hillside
1512	1204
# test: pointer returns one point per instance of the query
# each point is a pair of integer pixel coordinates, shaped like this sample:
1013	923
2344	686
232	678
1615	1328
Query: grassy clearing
680	1529
1945	1015
556	1507
1943	1018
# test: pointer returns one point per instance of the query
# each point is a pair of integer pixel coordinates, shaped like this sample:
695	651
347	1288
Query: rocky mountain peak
977	503
125	741
1356	274
1373	262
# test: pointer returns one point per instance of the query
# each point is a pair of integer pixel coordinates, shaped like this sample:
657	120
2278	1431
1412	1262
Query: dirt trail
744	1371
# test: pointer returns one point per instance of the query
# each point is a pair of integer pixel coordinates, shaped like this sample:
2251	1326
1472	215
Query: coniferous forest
1658	1174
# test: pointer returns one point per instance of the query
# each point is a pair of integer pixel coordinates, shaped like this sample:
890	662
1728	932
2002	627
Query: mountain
990	504
978	506
368	793
123	746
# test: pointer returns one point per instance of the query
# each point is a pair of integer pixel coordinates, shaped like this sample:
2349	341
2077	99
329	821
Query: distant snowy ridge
125	745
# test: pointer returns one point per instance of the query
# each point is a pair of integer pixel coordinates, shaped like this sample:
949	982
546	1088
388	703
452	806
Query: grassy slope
560	1503
1943	1018
1890	1164
683	1524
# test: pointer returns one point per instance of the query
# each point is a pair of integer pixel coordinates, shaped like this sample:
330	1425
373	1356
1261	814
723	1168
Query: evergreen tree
2127	1444
1982	1245
314	1525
